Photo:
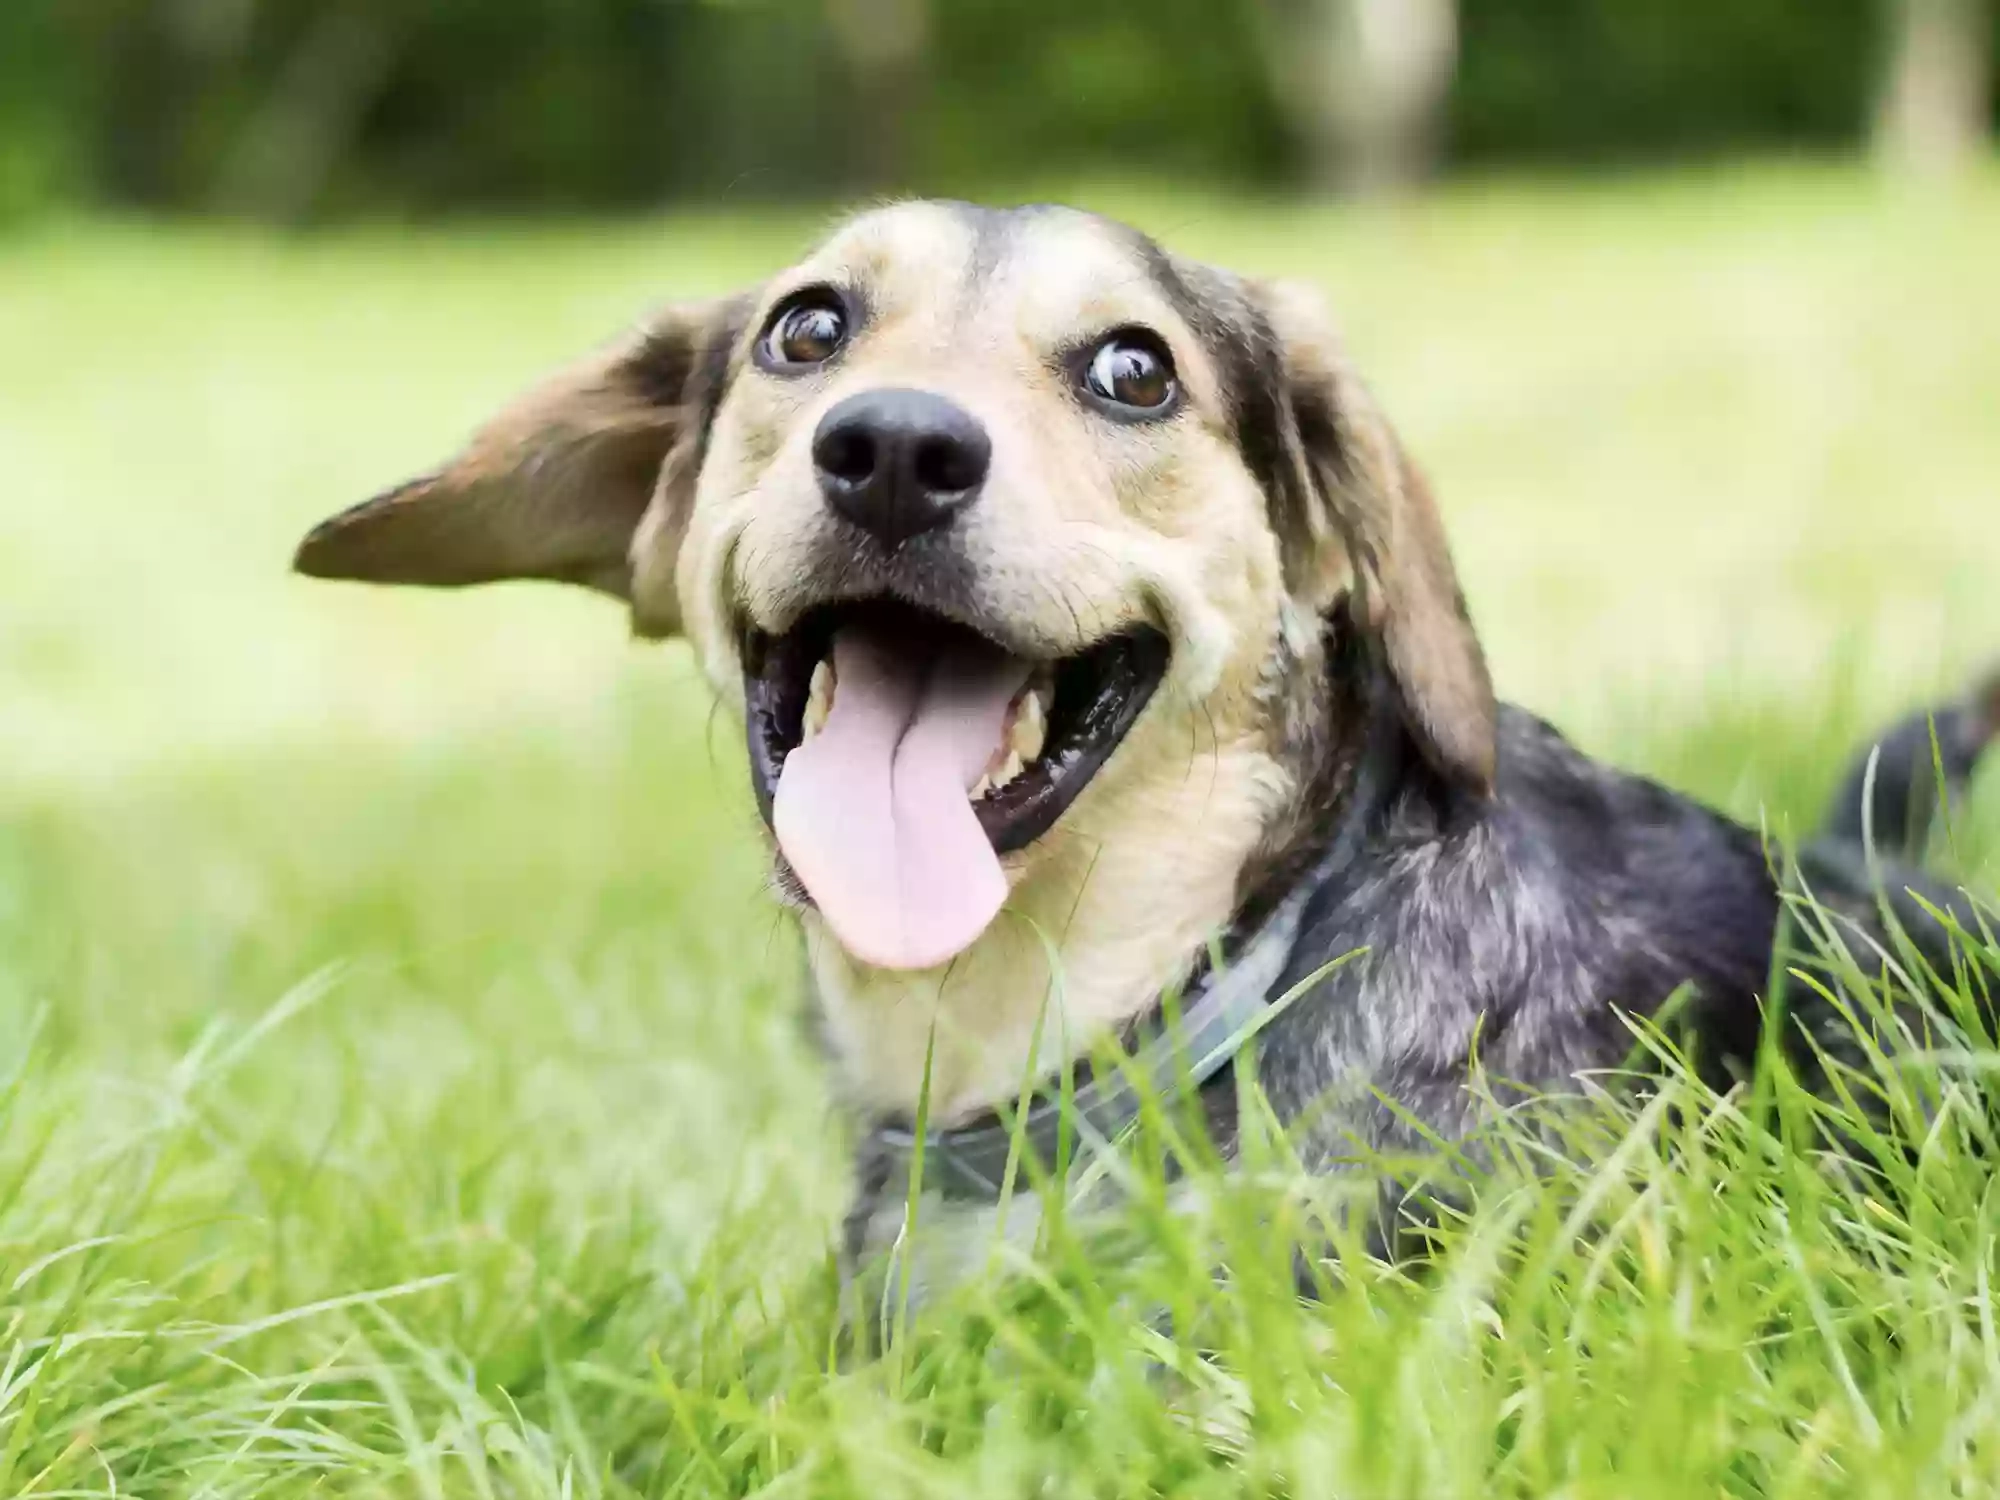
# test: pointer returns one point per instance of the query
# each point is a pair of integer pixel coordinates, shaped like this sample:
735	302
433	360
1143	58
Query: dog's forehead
932	241
1070	269
1049	270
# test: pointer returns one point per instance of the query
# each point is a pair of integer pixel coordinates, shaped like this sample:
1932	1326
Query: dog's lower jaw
1111	907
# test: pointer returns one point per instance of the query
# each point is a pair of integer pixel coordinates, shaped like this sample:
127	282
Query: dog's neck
1140	881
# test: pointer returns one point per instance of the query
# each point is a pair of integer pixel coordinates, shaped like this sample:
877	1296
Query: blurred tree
1365	83
1027	91
36	160
310	114
1618	80
884	44
1937	97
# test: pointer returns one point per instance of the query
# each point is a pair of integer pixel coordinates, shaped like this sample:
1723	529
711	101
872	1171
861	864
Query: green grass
401	1085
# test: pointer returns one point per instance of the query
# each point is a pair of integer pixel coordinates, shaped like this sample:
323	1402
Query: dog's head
1004	529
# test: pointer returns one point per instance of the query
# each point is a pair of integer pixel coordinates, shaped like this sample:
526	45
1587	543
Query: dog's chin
1087	703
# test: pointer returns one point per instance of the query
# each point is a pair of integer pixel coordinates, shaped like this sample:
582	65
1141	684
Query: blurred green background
395	1047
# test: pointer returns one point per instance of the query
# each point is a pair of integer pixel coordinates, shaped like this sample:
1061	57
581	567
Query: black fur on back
1524	929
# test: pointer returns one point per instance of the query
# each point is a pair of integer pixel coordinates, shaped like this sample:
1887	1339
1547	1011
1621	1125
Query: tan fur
551	488
1084	527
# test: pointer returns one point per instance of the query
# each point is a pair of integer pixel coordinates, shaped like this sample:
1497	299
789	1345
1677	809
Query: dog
1096	639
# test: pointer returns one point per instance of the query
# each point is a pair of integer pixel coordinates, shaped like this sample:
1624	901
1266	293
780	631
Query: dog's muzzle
898	754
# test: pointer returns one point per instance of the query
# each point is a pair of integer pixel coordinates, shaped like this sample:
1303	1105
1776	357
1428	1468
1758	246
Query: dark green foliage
292	109
1172	87
1599	79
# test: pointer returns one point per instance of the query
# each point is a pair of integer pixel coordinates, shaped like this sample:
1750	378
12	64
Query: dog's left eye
1132	372
808	330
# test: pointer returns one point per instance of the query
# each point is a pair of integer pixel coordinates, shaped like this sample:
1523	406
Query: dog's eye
805	331
1132	371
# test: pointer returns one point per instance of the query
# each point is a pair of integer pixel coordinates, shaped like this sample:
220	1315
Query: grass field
401	1090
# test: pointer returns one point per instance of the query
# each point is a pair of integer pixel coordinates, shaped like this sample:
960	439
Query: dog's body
1084	609
1527	929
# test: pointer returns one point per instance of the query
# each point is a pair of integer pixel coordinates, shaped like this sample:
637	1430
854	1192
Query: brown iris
1132	373
806	331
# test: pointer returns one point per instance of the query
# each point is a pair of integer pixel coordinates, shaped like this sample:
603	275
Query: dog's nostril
847	453
947	465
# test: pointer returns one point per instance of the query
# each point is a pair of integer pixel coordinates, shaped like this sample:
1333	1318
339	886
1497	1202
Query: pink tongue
873	813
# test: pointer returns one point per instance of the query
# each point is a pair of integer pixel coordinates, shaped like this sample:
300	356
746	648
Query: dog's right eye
1131	376
806	330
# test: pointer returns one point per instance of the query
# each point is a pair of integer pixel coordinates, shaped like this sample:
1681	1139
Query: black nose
898	463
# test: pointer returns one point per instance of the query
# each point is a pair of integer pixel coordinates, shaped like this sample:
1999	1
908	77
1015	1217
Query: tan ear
556	485
1362	517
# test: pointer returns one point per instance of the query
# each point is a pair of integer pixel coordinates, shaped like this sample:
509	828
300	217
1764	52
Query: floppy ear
1360	515
557	484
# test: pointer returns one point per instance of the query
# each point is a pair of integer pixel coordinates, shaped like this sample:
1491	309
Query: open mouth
897	755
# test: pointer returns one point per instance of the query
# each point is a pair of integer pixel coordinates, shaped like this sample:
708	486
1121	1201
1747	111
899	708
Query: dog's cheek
1157	480
1233	559
779	556
759	438
755	518
709	585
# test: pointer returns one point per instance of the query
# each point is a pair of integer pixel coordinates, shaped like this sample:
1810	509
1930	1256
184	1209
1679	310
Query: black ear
557	484
1362	518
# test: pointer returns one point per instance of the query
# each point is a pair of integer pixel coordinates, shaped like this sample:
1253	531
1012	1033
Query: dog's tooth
1030	729
819	699
1009	769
